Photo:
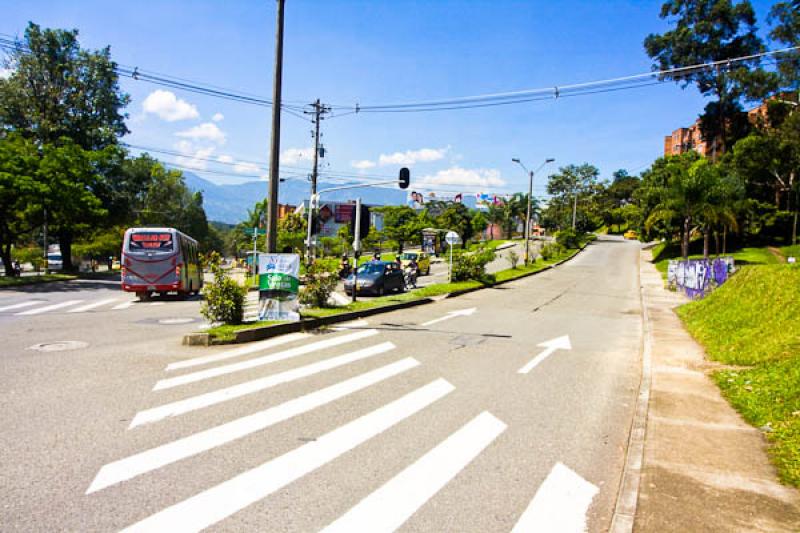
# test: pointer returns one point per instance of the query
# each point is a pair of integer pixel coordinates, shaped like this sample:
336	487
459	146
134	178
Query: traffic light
405	178
314	223
364	223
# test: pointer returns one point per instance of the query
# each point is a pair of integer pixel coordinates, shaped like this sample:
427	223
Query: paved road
418	419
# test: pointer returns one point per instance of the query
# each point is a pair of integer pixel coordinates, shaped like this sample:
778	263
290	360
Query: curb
266	332
624	515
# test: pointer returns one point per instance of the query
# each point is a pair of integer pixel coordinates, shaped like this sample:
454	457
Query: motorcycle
410	277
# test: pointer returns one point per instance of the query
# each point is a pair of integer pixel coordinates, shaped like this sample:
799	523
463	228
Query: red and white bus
160	260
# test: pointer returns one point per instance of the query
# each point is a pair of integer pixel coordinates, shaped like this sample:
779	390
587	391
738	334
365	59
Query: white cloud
464	177
225	159
5	73
409	157
218	117
168	106
292	156
193	157
246	168
363	164
206	131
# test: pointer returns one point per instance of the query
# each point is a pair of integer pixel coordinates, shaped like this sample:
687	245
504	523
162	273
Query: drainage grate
58	346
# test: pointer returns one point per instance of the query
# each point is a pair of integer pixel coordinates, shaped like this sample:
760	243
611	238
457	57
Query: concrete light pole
530	196
275	146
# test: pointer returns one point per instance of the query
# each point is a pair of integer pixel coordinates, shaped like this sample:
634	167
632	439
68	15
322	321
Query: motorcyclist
344	267
412	271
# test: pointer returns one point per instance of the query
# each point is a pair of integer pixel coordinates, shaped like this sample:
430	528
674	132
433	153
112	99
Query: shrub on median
321	280
472	265
224	298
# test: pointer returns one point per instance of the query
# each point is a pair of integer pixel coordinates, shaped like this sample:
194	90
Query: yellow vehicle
630	234
423	261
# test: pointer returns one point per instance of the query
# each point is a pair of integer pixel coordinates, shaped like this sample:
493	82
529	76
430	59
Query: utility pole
275	146
574	208
319	110
530	199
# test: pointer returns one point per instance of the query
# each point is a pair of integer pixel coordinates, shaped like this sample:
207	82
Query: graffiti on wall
697	277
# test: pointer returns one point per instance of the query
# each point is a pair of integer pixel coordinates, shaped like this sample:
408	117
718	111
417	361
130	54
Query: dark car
376	277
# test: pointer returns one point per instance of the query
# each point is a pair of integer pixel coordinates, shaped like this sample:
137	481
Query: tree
565	187
456	217
21	192
479	223
401	224
58	90
785	17
708	31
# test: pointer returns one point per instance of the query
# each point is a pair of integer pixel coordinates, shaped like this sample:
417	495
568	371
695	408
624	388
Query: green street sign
249	231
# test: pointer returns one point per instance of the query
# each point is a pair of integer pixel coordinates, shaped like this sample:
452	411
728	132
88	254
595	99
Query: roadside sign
252	231
452	238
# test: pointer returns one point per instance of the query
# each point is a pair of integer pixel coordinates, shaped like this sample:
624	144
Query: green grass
662	253
30	280
490	245
791	251
752	321
227	332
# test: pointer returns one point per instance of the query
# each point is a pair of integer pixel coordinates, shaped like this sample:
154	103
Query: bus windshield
151	242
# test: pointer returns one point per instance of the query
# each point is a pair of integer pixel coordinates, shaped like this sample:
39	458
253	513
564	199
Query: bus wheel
144	296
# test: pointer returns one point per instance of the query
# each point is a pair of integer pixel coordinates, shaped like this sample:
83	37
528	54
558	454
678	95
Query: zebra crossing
72	306
384	509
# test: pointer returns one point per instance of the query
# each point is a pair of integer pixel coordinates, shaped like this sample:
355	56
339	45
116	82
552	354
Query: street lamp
530	195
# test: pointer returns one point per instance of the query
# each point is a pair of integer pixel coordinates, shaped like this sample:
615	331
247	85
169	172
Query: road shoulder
704	468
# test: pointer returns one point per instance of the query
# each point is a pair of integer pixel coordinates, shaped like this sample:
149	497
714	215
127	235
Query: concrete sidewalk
704	468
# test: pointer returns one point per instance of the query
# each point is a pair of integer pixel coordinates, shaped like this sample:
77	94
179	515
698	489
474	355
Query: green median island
19	281
752	323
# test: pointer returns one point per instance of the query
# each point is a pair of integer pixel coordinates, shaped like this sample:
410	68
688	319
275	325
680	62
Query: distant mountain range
229	203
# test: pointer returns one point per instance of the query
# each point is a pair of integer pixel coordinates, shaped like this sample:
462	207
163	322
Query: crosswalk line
156	303
92	305
237	352
123	305
261	361
559	505
48	308
391	505
221	501
222	395
154	458
20	305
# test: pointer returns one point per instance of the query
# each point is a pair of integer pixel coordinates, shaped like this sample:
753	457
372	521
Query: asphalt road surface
454	416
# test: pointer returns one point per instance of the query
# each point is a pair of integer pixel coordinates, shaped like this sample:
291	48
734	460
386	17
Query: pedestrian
110	263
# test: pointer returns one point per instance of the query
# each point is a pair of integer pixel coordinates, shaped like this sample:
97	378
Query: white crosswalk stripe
236	391
20	305
238	352
49	308
87	307
261	361
390	506
154	458
123	305
213	505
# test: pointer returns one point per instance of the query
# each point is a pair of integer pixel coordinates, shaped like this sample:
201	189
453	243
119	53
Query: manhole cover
58	346
171	321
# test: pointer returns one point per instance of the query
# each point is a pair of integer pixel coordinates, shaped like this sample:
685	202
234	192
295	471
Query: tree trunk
399	246
65	243
716	243
687	222
706	241
5	252
724	240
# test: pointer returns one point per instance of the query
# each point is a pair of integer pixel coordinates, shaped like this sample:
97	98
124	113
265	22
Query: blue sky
345	52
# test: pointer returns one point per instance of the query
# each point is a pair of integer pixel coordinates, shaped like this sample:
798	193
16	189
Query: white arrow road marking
124	305
154	458
559	505
92	305
20	305
390	506
559	343
49	308
264	360
448	316
223	500
222	395
236	352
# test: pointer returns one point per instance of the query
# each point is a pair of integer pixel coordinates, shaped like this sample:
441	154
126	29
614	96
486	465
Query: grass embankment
752	321
227	332
662	253
30	280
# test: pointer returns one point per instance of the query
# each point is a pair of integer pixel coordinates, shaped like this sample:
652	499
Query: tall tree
21	192
57	90
565	188
785	18
400	224
708	31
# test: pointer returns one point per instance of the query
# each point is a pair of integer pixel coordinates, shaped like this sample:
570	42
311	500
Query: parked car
377	278
423	261
631	234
